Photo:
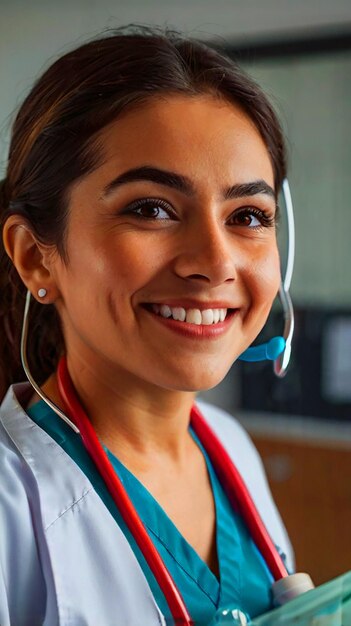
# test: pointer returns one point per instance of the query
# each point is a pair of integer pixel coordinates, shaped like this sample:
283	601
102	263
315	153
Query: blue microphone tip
275	347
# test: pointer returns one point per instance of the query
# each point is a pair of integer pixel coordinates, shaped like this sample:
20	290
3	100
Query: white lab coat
63	559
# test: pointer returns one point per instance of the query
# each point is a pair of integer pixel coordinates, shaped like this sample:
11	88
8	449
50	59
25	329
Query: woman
139	209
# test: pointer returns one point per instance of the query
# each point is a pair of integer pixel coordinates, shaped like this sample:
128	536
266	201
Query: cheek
120	265
265	278
127	266
271	273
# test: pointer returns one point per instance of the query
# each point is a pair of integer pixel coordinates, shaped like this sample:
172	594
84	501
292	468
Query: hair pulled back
54	142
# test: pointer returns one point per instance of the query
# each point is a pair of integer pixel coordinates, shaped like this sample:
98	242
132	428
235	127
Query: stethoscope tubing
228	474
238	494
125	506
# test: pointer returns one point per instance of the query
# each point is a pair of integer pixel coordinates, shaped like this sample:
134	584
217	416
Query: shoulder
48	508
14	469
35	463
244	455
18	507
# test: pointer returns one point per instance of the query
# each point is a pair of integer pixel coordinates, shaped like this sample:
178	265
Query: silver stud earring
42	293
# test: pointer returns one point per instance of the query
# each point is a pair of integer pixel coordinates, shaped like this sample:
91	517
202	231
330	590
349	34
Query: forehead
211	142
197	136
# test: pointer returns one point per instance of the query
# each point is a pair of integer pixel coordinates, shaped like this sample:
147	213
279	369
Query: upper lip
195	304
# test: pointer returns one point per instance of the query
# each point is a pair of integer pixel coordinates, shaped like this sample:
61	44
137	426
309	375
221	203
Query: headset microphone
265	351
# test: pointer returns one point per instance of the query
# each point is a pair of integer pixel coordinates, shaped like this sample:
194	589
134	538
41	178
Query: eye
151	209
251	217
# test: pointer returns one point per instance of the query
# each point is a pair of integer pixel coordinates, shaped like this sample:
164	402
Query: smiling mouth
192	316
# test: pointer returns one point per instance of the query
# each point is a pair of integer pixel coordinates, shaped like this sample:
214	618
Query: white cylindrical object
290	587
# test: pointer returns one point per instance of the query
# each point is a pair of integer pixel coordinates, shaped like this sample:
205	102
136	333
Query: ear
32	259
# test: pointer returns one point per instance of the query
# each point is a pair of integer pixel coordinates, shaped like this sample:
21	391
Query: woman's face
177	222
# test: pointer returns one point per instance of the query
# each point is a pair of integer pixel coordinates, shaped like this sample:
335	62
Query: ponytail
11	293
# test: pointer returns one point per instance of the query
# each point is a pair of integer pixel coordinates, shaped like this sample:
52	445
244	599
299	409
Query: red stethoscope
228	475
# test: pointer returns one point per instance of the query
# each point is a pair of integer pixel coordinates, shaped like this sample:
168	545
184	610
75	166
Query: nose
207	254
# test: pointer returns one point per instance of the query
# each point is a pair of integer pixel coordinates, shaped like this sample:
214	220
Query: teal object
327	605
244	576
265	351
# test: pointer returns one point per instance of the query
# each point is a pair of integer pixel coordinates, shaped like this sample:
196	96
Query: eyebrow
183	183
249	189
154	175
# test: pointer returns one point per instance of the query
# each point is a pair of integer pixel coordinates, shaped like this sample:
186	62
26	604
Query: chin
203	381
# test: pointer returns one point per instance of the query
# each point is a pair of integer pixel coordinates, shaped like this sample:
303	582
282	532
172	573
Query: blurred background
300	53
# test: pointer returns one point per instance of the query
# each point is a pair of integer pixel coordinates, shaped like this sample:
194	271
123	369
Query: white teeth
193	316
165	310
178	313
216	316
207	317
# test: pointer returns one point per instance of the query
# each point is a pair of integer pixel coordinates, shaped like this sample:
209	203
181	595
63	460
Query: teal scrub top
244	580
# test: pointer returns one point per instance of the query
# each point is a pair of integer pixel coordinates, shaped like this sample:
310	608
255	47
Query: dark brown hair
54	142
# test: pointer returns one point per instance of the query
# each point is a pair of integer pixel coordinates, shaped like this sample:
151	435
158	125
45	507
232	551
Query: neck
131	417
